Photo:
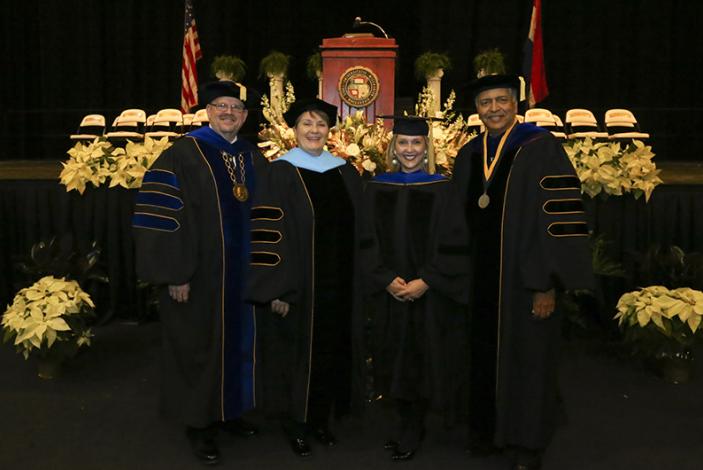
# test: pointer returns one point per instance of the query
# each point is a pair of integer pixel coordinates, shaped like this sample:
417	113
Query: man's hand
180	293
543	304
414	290
397	285
280	307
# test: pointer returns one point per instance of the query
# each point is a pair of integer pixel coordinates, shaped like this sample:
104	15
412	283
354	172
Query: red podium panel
358	73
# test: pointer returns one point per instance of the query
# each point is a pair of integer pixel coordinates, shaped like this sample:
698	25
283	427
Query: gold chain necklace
239	189
485	199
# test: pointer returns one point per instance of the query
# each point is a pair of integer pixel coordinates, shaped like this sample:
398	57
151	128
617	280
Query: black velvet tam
314	104
489	82
212	90
411	125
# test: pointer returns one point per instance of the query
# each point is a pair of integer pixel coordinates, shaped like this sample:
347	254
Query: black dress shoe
300	447
390	445
402	455
325	437
240	427
203	446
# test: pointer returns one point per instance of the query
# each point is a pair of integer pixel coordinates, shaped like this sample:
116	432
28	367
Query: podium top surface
359	42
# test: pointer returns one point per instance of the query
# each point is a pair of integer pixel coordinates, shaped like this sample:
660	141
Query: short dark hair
314	112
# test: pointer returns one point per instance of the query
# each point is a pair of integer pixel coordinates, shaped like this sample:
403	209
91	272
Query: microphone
359	22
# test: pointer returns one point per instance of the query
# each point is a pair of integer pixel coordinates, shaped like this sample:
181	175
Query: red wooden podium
358	73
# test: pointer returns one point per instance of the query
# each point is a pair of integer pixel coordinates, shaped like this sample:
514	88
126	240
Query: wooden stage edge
672	173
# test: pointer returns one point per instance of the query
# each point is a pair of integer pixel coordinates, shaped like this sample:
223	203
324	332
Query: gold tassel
242	91
430	151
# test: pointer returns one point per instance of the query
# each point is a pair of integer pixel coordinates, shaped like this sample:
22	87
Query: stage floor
102	414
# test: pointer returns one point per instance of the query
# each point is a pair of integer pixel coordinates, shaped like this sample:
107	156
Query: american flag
191	54
533	58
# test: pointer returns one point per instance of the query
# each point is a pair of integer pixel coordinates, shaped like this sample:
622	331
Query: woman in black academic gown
305	280
419	348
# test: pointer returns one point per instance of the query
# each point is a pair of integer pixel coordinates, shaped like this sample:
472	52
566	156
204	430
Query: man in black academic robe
191	226
521	199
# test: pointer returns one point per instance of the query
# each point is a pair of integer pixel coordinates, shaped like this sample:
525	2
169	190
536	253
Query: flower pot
674	367
49	367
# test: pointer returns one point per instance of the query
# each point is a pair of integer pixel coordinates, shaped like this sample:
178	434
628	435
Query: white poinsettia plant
608	168
100	162
449	134
656	312
48	316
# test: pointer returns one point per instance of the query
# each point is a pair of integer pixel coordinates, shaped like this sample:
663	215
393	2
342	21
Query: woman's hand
413	290
180	293
543	304
397	285
280	307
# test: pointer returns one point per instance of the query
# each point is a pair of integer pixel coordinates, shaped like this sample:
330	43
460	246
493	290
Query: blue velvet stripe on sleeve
154	222
161	177
158	199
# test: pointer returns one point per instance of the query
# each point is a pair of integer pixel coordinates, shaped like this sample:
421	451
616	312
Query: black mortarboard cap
212	90
301	106
489	82
411	125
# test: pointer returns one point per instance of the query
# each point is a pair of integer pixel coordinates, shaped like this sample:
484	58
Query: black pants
482	393
412	422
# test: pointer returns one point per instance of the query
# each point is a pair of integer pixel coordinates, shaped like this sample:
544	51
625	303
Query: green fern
229	66
314	65
275	63
429	62
489	62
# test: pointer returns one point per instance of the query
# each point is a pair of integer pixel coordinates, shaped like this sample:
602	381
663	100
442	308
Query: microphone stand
358	22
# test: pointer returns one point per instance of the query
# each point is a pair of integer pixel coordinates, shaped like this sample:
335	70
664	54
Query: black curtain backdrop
64	59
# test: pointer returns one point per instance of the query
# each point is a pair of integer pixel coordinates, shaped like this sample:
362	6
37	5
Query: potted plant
663	324
609	168
275	67
49	319
229	67
314	70
489	62
430	66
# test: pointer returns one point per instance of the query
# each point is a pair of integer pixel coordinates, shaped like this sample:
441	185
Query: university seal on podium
358	87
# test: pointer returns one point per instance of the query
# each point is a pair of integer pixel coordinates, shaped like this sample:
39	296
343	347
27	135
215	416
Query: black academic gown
419	348
188	228
305	236
532	237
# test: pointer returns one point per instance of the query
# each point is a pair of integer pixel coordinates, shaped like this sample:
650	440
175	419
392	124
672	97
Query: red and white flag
533	58
191	54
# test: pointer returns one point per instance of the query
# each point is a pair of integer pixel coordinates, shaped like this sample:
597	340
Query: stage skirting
34	207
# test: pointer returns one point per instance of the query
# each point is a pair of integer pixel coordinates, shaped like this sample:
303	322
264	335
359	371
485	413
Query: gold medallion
483	201
240	192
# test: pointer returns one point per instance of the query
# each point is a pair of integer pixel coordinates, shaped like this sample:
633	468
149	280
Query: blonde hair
428	166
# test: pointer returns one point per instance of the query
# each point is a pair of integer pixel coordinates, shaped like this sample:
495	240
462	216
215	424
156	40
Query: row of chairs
620	124
134	124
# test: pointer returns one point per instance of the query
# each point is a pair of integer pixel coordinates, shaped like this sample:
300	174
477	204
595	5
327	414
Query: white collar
321	163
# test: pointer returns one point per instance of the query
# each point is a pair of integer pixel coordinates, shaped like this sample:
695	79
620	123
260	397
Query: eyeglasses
222	107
